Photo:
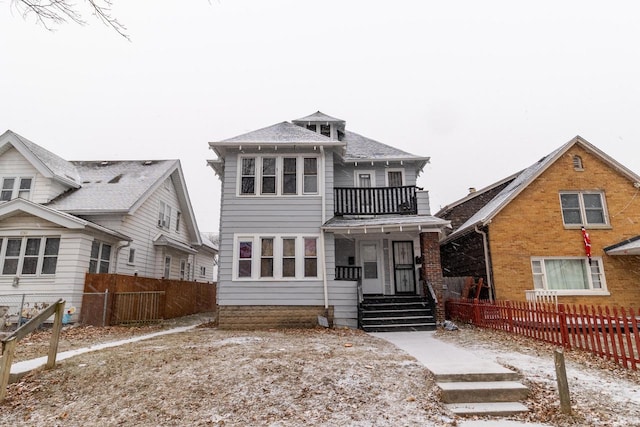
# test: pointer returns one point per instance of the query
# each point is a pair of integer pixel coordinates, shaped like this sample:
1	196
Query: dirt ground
210	377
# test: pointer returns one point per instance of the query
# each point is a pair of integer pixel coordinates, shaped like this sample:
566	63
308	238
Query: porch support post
432	269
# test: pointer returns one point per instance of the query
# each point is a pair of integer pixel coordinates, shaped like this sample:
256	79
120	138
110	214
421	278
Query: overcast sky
485	88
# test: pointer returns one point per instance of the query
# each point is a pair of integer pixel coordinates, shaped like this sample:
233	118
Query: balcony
375	200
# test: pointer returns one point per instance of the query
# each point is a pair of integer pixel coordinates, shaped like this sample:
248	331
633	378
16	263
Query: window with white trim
568	275
278	175
583	208
100	257
132	256
29	255
395	178
276	257
183	269
164	215
203	271
13	187
167	267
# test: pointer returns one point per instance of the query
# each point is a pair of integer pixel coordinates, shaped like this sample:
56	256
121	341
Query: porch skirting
270	316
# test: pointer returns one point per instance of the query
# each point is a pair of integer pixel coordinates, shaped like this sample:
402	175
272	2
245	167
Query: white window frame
40	256
167	267
184	275
256	258
132	256
203	271
386	176
583	214
164	215
279	177
100	260
16	190
541	282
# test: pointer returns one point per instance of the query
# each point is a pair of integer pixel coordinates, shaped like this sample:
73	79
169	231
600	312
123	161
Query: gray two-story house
318	222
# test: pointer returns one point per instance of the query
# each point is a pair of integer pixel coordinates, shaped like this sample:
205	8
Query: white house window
100	257
312	127
289	257
15	187
394	178
132	256
248	179
167	267
29	255
583	208
289	174
325	130
278	175
164	215
203	271
568	275
266	258
268	175
183	269
245	257
310	257
178	216
276	257
310	175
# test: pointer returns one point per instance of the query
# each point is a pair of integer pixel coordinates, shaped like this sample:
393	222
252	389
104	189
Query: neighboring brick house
529	235
318	220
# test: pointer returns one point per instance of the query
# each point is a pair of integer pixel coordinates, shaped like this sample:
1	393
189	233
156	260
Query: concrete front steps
483	394
396	313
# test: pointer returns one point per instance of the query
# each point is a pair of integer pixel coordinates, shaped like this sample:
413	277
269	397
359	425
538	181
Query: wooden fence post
563	384
564	332
5	365
55	335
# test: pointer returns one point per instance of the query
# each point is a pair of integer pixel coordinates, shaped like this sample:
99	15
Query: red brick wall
432	269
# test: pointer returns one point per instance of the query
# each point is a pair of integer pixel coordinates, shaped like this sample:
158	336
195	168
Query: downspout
118	249
324	218
485	245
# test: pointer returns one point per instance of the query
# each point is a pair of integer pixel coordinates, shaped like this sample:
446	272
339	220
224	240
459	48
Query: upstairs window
289	173
248	178
313	128
164	215
13	187
583	208
310	175
269	175
325	130
394	179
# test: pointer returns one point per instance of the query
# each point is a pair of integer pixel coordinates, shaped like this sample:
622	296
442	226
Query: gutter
325	285
485	245
118	249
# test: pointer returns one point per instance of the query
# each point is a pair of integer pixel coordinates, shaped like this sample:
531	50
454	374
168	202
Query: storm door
403	268
371	268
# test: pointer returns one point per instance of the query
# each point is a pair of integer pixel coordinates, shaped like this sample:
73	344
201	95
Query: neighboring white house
319	220
60	219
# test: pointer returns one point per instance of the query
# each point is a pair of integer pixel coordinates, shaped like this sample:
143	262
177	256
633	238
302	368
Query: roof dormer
323	124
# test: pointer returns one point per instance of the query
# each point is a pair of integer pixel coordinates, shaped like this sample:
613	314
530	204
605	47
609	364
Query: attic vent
147	162
105	163
115	179
577	163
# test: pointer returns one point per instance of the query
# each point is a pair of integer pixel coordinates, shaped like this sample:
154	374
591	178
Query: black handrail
375	200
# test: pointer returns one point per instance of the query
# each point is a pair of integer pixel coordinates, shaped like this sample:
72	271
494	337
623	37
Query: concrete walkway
444	359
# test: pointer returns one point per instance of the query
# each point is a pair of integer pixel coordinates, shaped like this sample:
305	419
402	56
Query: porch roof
381	224
626	247
163	240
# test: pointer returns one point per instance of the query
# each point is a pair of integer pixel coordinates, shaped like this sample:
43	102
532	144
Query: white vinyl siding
569	275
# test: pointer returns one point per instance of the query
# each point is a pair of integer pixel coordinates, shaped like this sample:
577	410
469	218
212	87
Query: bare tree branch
56	12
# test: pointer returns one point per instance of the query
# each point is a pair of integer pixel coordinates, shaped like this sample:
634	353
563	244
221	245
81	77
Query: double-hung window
100	257
278	175
568	275
276	257
13	187
583	208
29	255
164	216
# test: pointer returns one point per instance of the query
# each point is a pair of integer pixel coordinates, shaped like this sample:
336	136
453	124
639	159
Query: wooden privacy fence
111	299
611	333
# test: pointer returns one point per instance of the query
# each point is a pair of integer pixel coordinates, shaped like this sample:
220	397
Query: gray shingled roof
58	166
362	148
112	186
281	133
318	116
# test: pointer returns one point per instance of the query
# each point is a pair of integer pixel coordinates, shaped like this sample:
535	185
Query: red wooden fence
608	333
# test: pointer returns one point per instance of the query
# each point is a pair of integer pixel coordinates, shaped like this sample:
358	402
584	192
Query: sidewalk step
487	409
492	375
485	391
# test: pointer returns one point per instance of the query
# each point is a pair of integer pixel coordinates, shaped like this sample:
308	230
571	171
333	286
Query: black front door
404	271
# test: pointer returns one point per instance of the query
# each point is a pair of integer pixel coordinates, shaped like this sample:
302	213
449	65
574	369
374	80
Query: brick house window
583	208
568	276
